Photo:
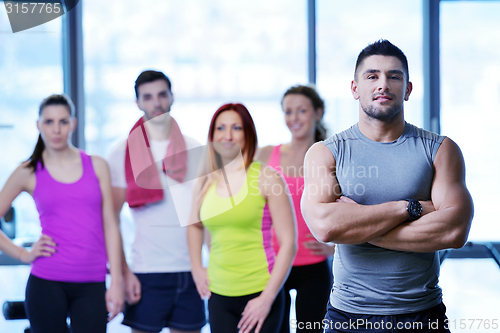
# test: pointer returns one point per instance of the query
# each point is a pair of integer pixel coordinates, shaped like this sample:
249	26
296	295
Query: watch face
415	208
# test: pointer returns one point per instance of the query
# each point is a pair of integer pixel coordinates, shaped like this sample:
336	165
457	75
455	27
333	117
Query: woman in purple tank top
72	193
310	275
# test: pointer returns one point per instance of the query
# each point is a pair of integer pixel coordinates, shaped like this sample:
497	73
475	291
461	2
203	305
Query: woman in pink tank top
311	274
72	193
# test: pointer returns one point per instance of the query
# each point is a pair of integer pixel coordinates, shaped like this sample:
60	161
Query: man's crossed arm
445	220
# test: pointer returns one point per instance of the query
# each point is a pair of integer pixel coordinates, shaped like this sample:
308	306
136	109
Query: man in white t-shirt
159	287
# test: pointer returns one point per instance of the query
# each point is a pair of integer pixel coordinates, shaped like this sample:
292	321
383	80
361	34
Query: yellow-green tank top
241	254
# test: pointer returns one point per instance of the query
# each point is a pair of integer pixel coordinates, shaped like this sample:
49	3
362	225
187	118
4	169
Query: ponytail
320	133
37	154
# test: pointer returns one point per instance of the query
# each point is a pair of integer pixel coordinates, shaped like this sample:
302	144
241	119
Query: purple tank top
72	215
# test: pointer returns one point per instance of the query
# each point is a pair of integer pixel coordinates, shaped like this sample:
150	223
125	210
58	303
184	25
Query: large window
470	112
343	29
30	70
232	51
214	52
470	102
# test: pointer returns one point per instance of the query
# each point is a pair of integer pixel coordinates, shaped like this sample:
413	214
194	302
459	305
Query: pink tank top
72	215
296	187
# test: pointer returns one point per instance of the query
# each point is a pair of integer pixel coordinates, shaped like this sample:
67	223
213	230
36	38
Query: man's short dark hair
150	76
384	48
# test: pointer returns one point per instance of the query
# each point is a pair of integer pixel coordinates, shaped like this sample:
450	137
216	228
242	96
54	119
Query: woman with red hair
238	203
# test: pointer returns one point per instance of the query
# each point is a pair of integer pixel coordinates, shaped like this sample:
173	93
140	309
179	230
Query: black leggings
313	284
48	304
224	313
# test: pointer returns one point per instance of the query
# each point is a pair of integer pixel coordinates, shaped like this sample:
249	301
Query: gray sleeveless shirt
369	279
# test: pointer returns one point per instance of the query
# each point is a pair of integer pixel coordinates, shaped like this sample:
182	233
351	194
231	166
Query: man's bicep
320	189
320	181
448	187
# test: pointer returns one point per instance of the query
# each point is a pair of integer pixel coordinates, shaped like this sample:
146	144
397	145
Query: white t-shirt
160	243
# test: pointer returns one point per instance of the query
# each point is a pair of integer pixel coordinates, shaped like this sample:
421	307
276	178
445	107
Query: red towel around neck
143	181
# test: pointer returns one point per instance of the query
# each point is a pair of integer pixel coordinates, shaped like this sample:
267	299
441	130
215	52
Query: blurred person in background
311	274
159	287
72	193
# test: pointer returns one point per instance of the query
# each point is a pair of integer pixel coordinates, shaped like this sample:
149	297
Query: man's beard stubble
375	113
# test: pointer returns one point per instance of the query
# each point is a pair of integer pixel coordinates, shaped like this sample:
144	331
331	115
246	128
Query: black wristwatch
414	208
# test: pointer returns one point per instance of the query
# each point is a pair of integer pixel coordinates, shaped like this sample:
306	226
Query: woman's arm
276	194
195	232
130	280
22	179
195	243
114	295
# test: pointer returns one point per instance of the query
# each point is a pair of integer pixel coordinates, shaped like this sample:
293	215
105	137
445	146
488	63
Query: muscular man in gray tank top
391	195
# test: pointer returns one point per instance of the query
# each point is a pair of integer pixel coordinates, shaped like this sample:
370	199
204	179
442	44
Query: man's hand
427	206
132	287
318	248
345	199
